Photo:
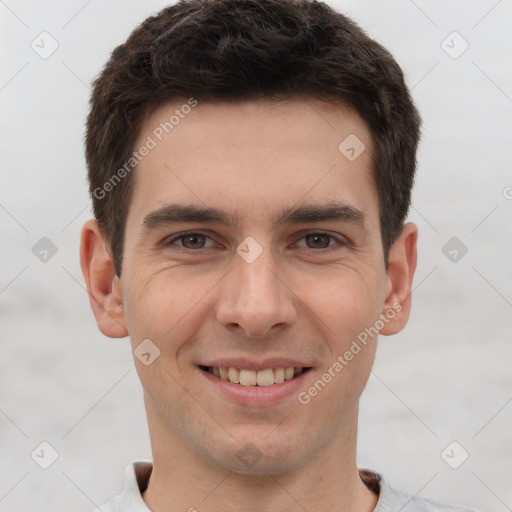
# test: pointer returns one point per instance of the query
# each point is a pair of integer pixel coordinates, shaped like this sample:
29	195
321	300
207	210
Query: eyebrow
176	213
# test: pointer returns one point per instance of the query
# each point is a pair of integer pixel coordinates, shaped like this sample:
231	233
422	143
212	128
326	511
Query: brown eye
321	243
193	241
190	241
318	240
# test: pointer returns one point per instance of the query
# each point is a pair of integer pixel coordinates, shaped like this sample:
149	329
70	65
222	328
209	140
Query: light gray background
445	378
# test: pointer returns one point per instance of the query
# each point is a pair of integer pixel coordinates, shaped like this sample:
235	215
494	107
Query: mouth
255	378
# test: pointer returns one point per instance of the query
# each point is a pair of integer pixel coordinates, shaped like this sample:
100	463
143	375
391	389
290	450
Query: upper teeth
265	377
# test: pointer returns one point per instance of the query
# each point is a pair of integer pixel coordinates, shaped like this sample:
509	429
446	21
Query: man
251	165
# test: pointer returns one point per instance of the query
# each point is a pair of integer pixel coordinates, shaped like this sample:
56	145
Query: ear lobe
103	286
400	273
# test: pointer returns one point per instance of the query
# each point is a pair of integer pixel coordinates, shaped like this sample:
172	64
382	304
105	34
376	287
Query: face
253	249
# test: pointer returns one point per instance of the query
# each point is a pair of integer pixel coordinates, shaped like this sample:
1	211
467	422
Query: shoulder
393	500
112	505
130	499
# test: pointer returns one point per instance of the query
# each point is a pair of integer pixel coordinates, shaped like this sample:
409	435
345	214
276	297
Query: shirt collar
137	476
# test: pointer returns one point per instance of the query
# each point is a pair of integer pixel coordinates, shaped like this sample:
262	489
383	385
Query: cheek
138	311
163	306
346	303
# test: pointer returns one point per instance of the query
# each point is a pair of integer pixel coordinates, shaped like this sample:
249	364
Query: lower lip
256	395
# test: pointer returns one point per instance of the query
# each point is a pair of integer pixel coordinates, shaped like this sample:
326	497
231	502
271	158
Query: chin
265	465
251	455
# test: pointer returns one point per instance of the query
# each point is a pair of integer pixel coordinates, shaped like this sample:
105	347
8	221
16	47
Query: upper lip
251	364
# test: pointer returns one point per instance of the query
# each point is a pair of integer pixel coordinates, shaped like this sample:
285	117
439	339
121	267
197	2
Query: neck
183	480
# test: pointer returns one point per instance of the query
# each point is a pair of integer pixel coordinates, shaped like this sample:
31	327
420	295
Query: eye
190	240
318	241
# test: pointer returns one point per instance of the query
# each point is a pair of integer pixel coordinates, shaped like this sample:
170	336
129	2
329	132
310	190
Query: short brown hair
232	50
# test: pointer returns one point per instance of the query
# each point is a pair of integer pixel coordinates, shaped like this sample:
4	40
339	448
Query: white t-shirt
390	500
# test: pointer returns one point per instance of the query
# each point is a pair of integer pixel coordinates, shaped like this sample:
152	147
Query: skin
297	299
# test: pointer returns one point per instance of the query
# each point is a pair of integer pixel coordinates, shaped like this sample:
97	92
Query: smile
248	377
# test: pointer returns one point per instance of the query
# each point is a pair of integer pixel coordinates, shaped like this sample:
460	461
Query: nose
255	298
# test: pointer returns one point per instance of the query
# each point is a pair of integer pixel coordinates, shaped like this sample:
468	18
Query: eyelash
341	242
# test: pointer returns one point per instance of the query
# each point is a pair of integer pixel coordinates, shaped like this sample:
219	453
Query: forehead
253	156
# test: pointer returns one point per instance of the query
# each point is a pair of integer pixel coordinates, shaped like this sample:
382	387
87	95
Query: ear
400	272
103	286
